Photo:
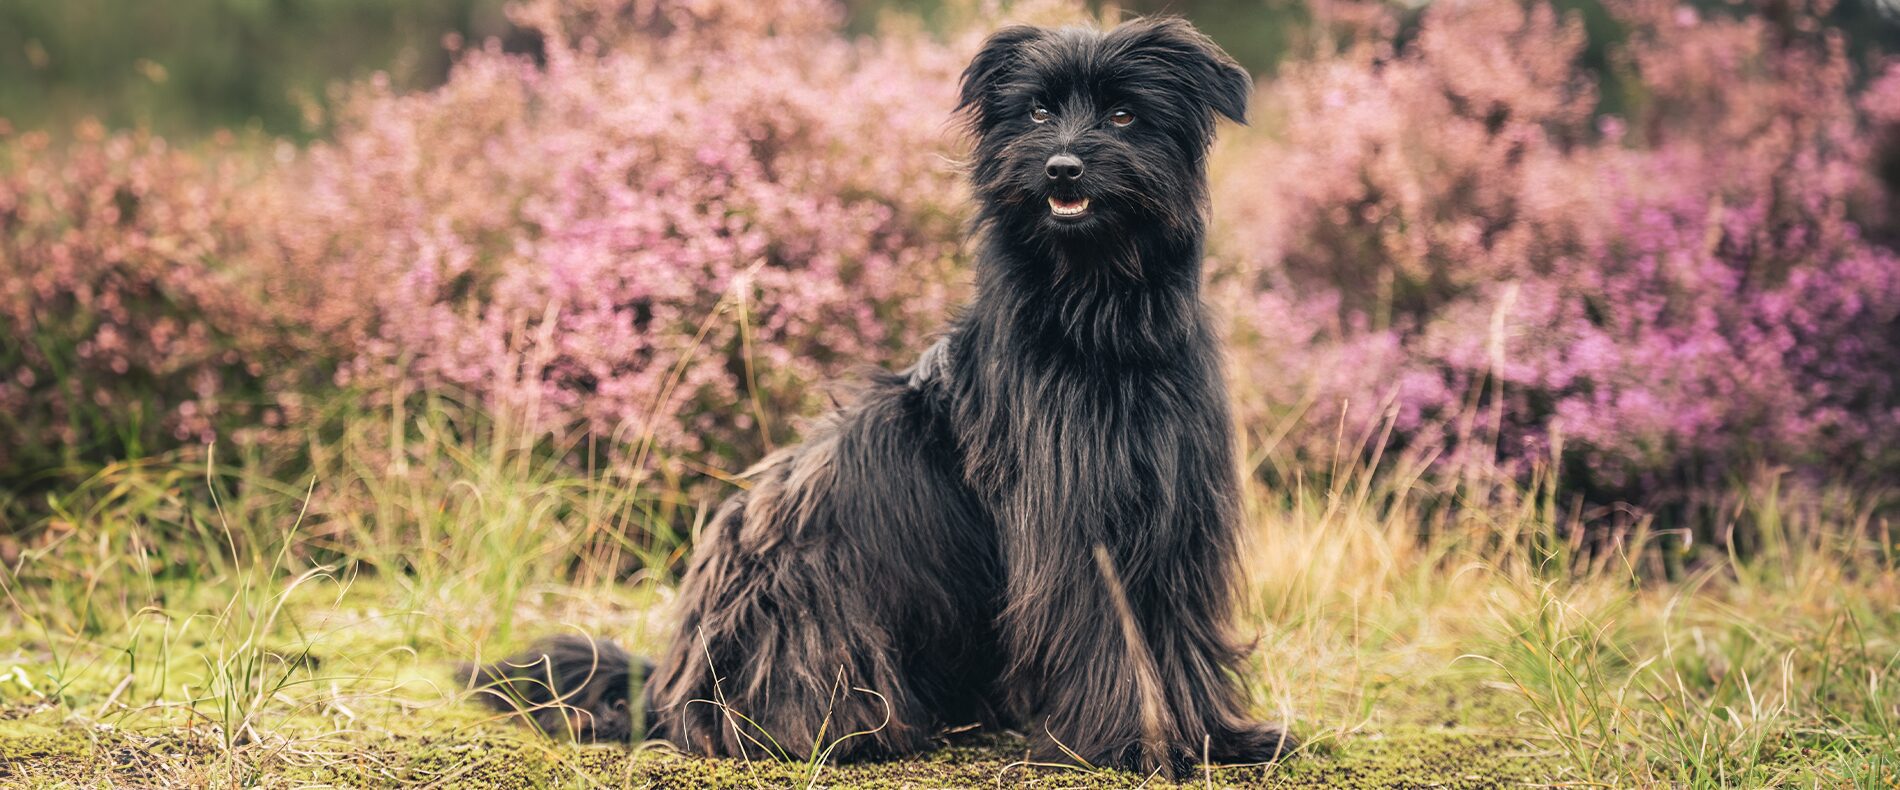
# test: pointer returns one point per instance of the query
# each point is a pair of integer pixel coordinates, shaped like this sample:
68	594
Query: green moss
23	740
38	752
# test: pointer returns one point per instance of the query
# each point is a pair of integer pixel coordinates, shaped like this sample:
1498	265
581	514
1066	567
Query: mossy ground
35	751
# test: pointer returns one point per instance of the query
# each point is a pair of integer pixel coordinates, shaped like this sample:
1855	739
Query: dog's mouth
1068	207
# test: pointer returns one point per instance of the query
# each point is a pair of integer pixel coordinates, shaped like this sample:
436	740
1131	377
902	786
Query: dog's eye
1121	117
1039	115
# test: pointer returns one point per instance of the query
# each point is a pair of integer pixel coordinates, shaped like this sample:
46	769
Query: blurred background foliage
183	68
1647	247
189	66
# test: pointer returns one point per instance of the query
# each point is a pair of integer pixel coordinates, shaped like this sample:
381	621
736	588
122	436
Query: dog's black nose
1064	167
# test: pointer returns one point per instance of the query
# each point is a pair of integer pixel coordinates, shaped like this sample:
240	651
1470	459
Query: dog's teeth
1068	209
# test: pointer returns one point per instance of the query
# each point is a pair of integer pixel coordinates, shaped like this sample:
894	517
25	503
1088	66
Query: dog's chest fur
1081	409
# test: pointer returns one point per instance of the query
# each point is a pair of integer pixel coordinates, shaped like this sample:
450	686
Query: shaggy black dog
1035	525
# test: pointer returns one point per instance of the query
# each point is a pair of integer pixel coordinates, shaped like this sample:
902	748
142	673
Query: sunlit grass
266	630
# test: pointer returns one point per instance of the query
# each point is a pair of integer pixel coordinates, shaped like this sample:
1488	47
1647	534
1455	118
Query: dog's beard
1101	244
1095	254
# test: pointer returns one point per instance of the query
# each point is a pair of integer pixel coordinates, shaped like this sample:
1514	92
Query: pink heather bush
687	214
601	238
1446	237
121	328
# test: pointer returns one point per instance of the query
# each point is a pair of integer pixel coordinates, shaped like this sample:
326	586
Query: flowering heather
1447	235
121	328
678	218
602	236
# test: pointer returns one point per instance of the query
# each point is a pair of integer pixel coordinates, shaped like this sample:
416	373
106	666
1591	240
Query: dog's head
1086	136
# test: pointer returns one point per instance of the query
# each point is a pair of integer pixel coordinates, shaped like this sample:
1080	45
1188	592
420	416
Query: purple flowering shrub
122	328
682	218
1444	243
676	219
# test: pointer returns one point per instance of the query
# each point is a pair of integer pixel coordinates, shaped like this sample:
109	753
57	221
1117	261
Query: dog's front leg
1083	676
1121	654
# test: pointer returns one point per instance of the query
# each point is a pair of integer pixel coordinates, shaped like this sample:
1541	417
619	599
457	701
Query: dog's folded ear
1000	56
1220	83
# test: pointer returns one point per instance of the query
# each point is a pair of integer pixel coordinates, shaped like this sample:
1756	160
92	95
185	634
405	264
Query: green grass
210	620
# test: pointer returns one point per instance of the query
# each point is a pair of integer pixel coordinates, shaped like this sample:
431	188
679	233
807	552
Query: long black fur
1035	525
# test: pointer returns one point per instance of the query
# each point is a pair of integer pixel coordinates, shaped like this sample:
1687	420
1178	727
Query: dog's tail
572	685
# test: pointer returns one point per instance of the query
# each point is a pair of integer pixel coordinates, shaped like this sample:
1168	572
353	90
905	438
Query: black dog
1036	524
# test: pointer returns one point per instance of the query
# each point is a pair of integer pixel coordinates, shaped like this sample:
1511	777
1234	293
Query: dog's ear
1000	56
1220	83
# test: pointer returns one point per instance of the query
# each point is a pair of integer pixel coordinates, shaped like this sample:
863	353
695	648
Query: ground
40	754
